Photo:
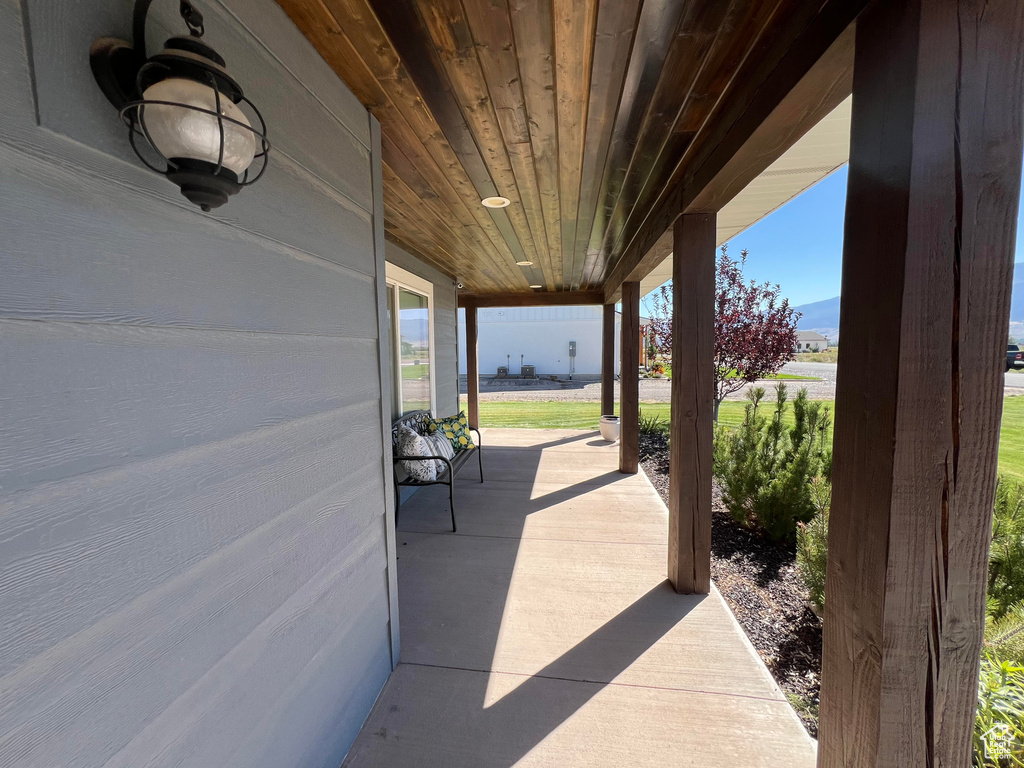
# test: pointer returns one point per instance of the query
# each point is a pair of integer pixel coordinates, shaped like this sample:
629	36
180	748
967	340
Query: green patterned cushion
456	429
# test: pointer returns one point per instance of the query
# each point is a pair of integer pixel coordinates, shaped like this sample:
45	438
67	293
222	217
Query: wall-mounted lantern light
183	106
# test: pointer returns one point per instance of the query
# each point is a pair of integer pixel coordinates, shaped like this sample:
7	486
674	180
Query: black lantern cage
125	73
194	176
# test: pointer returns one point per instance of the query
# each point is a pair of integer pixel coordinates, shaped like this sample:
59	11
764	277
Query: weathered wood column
629	381
693	393
935	164
608	361
472	368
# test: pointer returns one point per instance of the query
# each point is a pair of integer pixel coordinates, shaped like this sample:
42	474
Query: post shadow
455	591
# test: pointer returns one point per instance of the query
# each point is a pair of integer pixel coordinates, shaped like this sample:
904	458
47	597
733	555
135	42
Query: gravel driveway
659	390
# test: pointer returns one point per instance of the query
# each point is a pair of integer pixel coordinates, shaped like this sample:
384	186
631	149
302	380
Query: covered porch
545	632
199	561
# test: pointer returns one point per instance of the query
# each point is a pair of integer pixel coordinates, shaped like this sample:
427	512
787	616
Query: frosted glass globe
185	133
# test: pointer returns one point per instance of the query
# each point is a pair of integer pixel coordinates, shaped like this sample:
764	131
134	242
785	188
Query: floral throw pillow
456	429
412	444
440	446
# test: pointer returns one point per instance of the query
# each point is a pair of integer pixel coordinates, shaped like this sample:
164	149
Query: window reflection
414	350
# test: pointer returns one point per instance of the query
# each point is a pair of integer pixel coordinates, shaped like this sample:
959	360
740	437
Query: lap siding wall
193	552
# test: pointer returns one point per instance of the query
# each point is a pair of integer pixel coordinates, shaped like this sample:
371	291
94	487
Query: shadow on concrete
512	726
453	590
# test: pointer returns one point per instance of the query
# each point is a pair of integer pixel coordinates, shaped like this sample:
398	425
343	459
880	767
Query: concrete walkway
544	633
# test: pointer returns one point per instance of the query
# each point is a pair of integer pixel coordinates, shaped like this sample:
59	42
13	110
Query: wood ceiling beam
414	227
540	299
714	104
617	24
810	80
436	198
574	25
490	22
349	36
656	29
533	32
601	120
440	53
678	108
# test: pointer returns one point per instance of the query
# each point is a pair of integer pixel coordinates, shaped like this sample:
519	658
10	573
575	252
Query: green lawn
789	377
780	377
555	415
1011	438
562	415
415	371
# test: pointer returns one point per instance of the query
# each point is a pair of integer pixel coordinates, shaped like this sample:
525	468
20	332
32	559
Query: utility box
572	349
502	372
529	371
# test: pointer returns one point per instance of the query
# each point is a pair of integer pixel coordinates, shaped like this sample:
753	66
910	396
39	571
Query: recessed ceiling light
496	202
536	286
524	263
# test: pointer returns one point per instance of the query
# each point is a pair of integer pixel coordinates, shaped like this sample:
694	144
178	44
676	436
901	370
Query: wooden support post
693	395
472	368
608	361
935	164
629	380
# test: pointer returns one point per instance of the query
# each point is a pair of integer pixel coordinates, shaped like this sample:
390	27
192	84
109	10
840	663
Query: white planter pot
610	428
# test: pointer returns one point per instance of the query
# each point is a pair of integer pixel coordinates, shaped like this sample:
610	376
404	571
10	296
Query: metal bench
417	420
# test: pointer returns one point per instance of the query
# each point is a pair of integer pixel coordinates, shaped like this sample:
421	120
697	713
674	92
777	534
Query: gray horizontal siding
193	553
84	383
446	376
77	250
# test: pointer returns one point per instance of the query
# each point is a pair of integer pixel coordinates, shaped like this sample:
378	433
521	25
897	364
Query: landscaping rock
759	580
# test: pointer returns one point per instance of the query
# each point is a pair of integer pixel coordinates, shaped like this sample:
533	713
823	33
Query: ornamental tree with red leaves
755	328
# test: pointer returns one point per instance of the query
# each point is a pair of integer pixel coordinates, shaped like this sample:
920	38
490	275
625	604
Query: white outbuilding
557	341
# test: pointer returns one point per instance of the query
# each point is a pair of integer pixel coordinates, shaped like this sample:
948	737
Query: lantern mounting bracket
116	63
193	18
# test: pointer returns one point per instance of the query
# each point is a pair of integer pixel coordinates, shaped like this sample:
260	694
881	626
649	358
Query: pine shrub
1006	554
1004	636
812	543
765	470
720	455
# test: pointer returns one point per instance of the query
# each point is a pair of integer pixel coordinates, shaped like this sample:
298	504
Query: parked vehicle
1014	357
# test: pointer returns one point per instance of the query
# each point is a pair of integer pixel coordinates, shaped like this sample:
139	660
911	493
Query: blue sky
800	246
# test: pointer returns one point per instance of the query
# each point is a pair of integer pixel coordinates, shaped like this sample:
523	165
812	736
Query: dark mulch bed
759	580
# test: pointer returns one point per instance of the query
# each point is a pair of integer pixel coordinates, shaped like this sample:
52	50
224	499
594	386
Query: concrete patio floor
544	632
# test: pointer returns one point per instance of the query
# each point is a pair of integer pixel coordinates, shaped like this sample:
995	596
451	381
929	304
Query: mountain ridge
823	316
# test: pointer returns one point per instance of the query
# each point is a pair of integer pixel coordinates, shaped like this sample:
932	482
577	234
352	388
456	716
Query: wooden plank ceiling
600	120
